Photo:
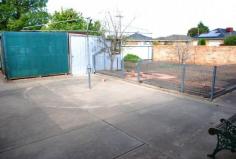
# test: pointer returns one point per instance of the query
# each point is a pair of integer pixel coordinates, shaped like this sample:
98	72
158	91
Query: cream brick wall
210	55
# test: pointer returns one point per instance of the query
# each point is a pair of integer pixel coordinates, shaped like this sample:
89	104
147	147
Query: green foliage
155	43
230	41
69	19
66	20
193	32
17	14
96	28
131	58
201	42
201	28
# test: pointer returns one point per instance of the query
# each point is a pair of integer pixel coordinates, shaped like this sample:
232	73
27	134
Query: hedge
231	40
131	58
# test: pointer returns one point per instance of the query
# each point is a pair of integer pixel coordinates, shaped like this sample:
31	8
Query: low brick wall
206	55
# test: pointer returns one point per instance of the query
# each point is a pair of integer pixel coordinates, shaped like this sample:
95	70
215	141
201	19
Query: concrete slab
62	118
145	152
24	120
174	128
228	99
97	141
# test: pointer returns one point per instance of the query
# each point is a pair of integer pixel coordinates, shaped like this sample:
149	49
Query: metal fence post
213	82
123	67
117	64
94	64
88	53
138	67
104	61
182	85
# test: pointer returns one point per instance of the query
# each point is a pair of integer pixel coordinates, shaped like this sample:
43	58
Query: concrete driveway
227	100
59	118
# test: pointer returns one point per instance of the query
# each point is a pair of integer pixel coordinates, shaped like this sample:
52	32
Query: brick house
215	37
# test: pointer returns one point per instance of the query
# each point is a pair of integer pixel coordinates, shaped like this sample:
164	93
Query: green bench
226	135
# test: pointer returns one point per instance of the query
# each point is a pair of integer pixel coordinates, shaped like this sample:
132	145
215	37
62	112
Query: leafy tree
66	20
230	41
96	28
193	32
17	14
69	19
201	28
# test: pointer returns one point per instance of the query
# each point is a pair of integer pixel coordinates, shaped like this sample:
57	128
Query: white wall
144	52
195	43
209	42
79	55
214	42
103	62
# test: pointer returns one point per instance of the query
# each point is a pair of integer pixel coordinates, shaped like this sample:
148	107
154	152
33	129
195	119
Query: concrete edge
228	90
162	90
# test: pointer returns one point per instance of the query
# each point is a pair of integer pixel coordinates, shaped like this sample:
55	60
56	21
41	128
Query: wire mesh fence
104	65
161	74
201	80
225	79
127	71
198	80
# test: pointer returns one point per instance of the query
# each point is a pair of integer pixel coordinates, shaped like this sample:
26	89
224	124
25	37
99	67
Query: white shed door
78	55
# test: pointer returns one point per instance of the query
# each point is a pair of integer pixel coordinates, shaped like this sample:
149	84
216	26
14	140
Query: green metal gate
33	54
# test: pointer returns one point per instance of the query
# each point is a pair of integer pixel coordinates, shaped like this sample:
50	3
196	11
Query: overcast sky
159	17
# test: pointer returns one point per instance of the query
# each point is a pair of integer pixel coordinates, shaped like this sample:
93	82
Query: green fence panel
0	51
33	54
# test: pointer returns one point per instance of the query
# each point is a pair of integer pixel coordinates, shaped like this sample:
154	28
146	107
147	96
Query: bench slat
232	119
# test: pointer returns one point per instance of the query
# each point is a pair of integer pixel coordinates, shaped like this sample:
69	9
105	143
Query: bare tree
113	36
182	51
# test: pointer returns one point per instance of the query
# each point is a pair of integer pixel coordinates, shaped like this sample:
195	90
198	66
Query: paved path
59	118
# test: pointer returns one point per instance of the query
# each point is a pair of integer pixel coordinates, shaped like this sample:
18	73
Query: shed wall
32	54
96	55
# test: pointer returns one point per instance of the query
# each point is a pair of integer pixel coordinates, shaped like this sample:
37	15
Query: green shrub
231	40
201	42
131	58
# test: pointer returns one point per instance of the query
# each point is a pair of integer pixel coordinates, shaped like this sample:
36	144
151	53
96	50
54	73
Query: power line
82	31
90	31
51	23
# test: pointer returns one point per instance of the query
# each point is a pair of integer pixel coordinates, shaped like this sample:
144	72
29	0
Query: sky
157	17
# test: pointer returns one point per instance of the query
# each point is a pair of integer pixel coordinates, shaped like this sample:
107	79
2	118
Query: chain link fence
104	65
161	74
225	80
201	80
198	80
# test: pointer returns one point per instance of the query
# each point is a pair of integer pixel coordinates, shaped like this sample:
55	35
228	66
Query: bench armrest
226	126
214	131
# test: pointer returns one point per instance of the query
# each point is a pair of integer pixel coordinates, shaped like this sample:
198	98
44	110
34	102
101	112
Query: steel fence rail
202	80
